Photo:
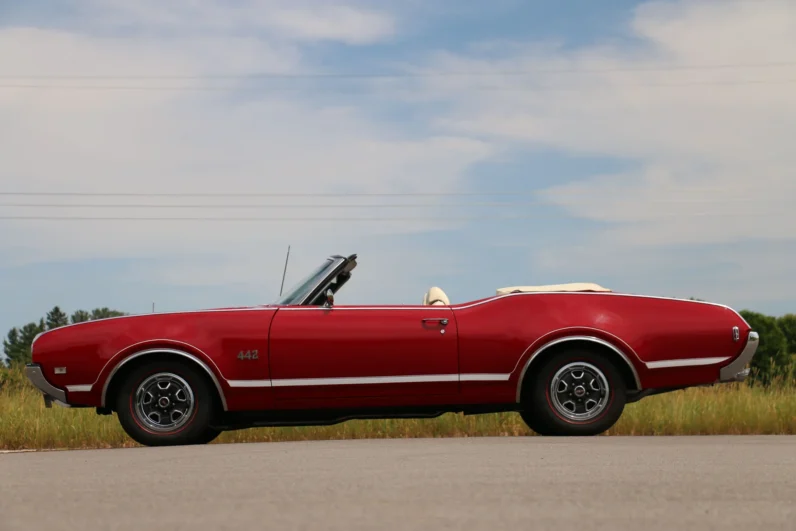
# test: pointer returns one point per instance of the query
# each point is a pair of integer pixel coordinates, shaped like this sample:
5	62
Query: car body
567	358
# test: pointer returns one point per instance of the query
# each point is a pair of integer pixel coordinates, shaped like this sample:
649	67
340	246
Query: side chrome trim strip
79	388
372	380
575	338
688	362
485	377
249	383
735	372
36	376
164	351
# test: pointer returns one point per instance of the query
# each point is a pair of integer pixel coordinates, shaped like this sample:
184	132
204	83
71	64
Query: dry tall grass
724	409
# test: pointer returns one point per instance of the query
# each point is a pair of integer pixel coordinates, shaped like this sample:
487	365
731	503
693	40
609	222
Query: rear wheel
167	403
577	392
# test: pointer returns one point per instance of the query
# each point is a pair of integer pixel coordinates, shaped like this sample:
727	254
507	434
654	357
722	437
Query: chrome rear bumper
51	393
737	371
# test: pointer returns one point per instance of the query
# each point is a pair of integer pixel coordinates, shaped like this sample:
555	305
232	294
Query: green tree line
16	345
776	355
775	358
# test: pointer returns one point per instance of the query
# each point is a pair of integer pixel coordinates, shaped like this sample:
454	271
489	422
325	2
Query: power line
199	88
358	75
344	205
259	194
249	206
352	219
280	219
251	194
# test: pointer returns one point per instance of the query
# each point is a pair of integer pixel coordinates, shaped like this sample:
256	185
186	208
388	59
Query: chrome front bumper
737	371
36	376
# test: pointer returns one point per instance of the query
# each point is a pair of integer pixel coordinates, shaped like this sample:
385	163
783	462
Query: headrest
436	297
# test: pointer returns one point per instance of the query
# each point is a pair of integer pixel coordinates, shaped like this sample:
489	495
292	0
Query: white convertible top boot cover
575	286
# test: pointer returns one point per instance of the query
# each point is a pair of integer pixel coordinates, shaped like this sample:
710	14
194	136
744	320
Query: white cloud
713	157
341	23
203	141
711	145
300	20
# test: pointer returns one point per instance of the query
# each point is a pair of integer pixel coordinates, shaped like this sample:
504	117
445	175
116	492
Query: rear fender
589	339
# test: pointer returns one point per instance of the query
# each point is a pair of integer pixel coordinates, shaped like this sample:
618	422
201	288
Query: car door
343	352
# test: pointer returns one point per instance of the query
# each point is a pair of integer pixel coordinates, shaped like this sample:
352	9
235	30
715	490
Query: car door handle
440	320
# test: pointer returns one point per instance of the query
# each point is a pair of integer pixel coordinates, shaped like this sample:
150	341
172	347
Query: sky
645	146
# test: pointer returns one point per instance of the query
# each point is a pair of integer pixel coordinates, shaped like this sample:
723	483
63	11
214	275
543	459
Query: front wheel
167	403
576	392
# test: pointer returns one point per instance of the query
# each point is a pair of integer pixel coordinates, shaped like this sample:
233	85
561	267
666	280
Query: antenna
285	271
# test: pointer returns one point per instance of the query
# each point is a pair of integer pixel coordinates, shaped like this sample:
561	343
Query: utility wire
358	75
280	219
258	194
344	205
495	88
250	206
251	194
352	219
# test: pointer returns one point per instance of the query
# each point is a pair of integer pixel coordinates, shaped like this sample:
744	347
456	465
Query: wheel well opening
618	361
124	372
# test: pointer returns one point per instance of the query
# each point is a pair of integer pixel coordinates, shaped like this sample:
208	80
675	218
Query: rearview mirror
329	299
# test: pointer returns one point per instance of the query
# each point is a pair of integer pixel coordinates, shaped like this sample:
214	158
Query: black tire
567	412
186	419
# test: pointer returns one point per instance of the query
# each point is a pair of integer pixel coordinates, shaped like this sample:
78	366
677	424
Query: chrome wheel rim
164	402
579	391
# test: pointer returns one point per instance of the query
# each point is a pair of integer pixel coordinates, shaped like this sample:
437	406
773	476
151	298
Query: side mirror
329	299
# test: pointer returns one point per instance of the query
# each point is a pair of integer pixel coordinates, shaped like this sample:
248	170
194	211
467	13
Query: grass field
733	409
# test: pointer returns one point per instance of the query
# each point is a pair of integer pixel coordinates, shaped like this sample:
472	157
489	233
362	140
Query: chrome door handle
440	320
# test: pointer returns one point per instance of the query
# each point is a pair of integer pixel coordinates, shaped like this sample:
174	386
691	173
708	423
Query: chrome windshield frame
323	277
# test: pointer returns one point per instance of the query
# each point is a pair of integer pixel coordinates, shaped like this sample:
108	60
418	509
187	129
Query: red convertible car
567	358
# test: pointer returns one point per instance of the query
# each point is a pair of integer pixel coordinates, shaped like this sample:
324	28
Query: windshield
295	294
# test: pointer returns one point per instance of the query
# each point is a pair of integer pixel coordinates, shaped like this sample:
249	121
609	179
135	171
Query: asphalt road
617	483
